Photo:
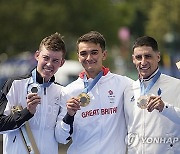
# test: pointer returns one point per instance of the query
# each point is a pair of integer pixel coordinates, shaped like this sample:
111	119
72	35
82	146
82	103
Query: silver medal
34	88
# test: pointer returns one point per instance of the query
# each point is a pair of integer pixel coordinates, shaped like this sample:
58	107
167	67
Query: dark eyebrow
89	51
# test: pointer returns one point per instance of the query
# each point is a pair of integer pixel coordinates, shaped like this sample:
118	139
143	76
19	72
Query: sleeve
127	93
172	113
172	107
8	120
64	124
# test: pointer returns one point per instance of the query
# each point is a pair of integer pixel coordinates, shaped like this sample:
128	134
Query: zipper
14	139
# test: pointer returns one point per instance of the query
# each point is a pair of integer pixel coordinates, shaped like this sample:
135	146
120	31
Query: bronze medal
84	99
142	102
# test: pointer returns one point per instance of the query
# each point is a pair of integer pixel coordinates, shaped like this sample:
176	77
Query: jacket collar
39	78
104	69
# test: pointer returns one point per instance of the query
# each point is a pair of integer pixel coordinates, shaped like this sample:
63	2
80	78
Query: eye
46	58
56	60
147	56
83	53
94	52
138	57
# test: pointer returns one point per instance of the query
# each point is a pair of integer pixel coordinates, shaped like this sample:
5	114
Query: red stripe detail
104	69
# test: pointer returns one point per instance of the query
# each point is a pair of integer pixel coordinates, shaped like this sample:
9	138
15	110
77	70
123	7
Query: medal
84	99
34	88
142	102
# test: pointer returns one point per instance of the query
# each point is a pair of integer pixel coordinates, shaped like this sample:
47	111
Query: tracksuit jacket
42	123
98	128
154	132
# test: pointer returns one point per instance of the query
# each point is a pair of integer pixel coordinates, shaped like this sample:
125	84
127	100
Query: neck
151	76
92	74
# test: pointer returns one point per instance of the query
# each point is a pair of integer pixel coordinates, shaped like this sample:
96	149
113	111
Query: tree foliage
24	23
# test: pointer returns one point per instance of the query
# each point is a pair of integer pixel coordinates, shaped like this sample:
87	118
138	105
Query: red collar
104	69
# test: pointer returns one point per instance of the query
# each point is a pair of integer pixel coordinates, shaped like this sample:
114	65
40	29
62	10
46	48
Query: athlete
152	104
39	96
95	118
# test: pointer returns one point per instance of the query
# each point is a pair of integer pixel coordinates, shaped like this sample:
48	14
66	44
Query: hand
155	102
32	101
73	105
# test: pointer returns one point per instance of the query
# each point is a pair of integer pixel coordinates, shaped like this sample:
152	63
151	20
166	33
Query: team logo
132	99
110	92
159	92
111	96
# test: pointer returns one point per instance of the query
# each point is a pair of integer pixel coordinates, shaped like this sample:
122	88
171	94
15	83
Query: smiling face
91	55
146	60
48	62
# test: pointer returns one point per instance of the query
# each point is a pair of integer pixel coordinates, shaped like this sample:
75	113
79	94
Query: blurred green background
23	24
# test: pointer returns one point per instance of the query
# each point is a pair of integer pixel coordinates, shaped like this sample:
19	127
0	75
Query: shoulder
122	78
10	81
167	78
74	86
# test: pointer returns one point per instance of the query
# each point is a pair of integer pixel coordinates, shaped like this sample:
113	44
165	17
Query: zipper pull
14	139
44	91
44	86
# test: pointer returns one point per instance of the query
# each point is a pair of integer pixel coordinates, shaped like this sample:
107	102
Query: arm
9	121
172	113
64	125
168	110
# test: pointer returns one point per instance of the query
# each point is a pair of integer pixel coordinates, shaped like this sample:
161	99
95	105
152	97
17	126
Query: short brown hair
146	41
93	37
53	42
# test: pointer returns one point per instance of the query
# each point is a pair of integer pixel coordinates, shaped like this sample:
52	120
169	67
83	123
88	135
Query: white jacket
42	123
98	128
154	132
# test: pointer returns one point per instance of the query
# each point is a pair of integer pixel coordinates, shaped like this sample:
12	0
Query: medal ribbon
153	81
87	86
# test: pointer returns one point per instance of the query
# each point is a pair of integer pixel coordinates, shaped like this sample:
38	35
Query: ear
159	56
36	55
133	59
104	55
62	62
78	56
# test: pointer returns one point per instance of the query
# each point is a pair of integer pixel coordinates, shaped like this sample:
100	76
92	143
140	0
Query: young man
95	117
152	104
39	96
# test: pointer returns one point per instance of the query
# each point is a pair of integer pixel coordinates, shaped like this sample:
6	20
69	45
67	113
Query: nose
143	61
88	57
49	63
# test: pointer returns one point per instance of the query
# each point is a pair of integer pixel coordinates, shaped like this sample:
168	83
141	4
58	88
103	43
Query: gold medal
142	102
84	99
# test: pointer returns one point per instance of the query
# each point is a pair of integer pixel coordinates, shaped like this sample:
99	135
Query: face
146	60
48	62
91	56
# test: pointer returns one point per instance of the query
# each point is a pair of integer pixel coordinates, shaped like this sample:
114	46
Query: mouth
90	62
48	70
144	68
